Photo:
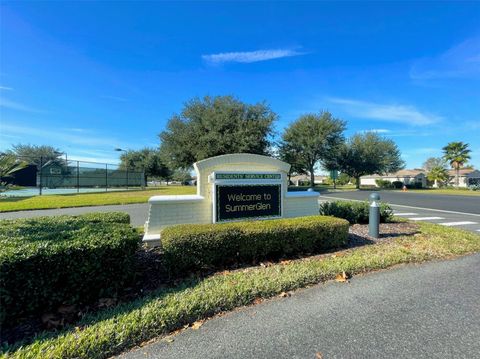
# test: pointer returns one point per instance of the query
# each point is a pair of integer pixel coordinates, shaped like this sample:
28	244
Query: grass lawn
451	191
323	187
8	204
111	331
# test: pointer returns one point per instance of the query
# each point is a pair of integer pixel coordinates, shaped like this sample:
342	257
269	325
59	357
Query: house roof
402	173
461	172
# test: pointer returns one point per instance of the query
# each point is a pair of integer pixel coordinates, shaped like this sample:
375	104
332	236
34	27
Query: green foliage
433	162
34	154
369	153
311	139
343	179
397	184
148	160
9	164
189	247
383	183
438	175
355	212
182	176
49	261
215	126
112	331
457	154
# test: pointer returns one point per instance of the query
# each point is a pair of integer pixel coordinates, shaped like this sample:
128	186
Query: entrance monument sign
247	196
231	188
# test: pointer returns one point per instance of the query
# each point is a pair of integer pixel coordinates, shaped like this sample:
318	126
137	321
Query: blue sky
87	77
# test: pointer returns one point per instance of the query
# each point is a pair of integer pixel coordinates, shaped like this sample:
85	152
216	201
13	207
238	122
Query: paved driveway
415	311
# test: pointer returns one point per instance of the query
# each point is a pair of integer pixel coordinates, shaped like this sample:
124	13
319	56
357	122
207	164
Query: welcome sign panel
247	201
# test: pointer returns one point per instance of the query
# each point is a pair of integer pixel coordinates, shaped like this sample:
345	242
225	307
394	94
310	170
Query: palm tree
457	153
8	165
438	174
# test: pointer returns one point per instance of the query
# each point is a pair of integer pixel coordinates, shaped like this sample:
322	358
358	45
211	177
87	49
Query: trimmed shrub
195	246
383	183
49	261
105	217
354	212
397	184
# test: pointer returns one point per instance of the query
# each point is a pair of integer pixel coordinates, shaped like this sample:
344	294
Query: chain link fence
43	175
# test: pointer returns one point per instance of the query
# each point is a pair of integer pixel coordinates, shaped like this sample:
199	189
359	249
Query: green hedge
49	261
105	217
355	212
191	247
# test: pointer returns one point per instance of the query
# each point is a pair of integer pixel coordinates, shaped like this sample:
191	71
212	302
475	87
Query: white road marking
424	218
478	230
401	205
404	214
449	224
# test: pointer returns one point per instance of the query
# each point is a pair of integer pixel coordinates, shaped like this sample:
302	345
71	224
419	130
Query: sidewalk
414	311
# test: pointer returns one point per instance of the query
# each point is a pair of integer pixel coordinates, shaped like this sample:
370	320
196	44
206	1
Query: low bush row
49	261
191	247
355	212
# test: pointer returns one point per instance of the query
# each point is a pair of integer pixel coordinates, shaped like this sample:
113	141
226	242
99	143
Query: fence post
78	177
127	175
40	185
106	177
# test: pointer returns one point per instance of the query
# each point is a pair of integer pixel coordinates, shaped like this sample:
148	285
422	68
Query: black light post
122	150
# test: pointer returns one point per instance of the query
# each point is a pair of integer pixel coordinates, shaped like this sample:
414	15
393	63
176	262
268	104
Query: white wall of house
464	180
371	181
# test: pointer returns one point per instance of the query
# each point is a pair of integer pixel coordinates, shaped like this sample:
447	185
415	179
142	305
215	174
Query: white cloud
385	112
462	60
12	105
51	134
6	88
250	56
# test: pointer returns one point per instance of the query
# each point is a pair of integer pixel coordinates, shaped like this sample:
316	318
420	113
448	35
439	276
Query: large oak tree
147	160
369	153
214	126
311	140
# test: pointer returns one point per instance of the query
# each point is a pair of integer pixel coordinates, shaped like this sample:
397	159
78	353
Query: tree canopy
214	126
148	160
438	175
311	140
457	154
368	153
35	154
434	162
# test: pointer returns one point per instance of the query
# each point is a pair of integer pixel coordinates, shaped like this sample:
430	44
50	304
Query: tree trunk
312	178
358	182
457	173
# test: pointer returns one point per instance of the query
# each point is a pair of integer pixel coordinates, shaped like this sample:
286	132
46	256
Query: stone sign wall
231	188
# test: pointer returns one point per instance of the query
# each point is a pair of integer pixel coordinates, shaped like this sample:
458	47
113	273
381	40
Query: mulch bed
151	275
358	233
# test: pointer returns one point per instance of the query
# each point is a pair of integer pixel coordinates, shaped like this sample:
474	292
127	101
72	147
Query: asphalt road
426	206
467	204
414	311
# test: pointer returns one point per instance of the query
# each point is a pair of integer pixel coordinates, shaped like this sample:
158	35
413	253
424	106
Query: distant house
467	177
410	177
302	180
